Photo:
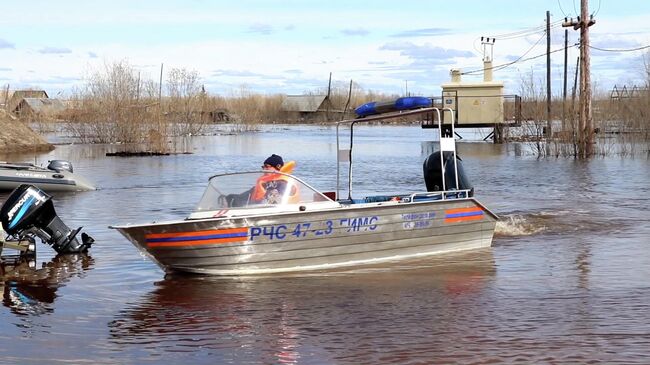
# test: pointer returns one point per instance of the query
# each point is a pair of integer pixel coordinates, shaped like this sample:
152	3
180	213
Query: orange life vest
272	180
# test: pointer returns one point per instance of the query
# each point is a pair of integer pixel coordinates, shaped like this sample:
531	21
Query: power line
620	50
515	61
525	53
597	10
502	66
562	10
519	34
525	32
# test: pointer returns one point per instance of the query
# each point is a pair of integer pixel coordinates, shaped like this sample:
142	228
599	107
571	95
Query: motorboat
57	176
262	222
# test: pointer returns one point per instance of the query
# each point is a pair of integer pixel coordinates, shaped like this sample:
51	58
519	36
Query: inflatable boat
58	176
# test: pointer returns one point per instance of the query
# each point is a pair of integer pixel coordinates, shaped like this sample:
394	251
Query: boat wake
512	225
558	222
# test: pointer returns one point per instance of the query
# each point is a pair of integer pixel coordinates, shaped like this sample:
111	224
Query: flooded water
566	281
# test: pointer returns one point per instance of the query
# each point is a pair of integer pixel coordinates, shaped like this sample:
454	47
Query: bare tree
112	93
186	101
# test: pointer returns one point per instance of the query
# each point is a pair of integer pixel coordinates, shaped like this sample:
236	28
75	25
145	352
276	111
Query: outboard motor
29	212
58	165
433	173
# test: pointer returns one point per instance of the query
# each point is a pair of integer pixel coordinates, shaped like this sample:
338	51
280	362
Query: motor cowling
432	168
60	165
29	212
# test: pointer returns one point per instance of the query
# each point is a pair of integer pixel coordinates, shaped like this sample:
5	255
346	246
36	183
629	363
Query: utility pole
7	99
160	98
566	59
585	127
549	130
347	103
573	108
137	93
160	86
329	101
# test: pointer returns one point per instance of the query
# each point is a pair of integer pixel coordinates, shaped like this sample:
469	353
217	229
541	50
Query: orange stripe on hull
463	210
463	214
196	243
196	233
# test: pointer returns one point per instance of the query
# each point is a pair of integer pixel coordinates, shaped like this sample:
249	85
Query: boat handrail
391	115
346	154
443	195
19	166
447	142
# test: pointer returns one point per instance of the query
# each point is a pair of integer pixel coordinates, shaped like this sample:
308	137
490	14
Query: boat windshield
255	190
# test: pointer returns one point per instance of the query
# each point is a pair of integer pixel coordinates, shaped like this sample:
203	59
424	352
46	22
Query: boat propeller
29	212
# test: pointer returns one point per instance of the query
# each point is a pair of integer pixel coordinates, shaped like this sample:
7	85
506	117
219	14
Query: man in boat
270	187
273	162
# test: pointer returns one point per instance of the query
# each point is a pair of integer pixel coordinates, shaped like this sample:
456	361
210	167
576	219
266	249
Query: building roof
8	94
29	94
14	97
303	103
42	105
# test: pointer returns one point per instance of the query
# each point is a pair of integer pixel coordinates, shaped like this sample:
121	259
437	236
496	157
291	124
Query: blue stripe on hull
198	238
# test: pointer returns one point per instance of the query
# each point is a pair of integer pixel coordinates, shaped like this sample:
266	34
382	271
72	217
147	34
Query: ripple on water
565	282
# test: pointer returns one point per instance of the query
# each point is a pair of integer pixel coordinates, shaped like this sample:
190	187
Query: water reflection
583	266
568	282
303	318
28	290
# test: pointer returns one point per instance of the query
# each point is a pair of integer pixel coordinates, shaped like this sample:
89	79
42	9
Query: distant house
219	115
16	96
303	103
306	107
39	106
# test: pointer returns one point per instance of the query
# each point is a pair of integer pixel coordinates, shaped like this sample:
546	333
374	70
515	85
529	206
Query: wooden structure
220	115
15	97
306	107
628	93
38	107
21	247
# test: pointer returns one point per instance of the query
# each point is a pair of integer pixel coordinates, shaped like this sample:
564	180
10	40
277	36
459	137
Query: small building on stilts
481	104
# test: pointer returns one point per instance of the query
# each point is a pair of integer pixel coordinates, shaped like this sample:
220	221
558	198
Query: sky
291	47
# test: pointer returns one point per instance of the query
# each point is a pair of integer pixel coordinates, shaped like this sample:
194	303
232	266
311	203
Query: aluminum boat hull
13	175
349	235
